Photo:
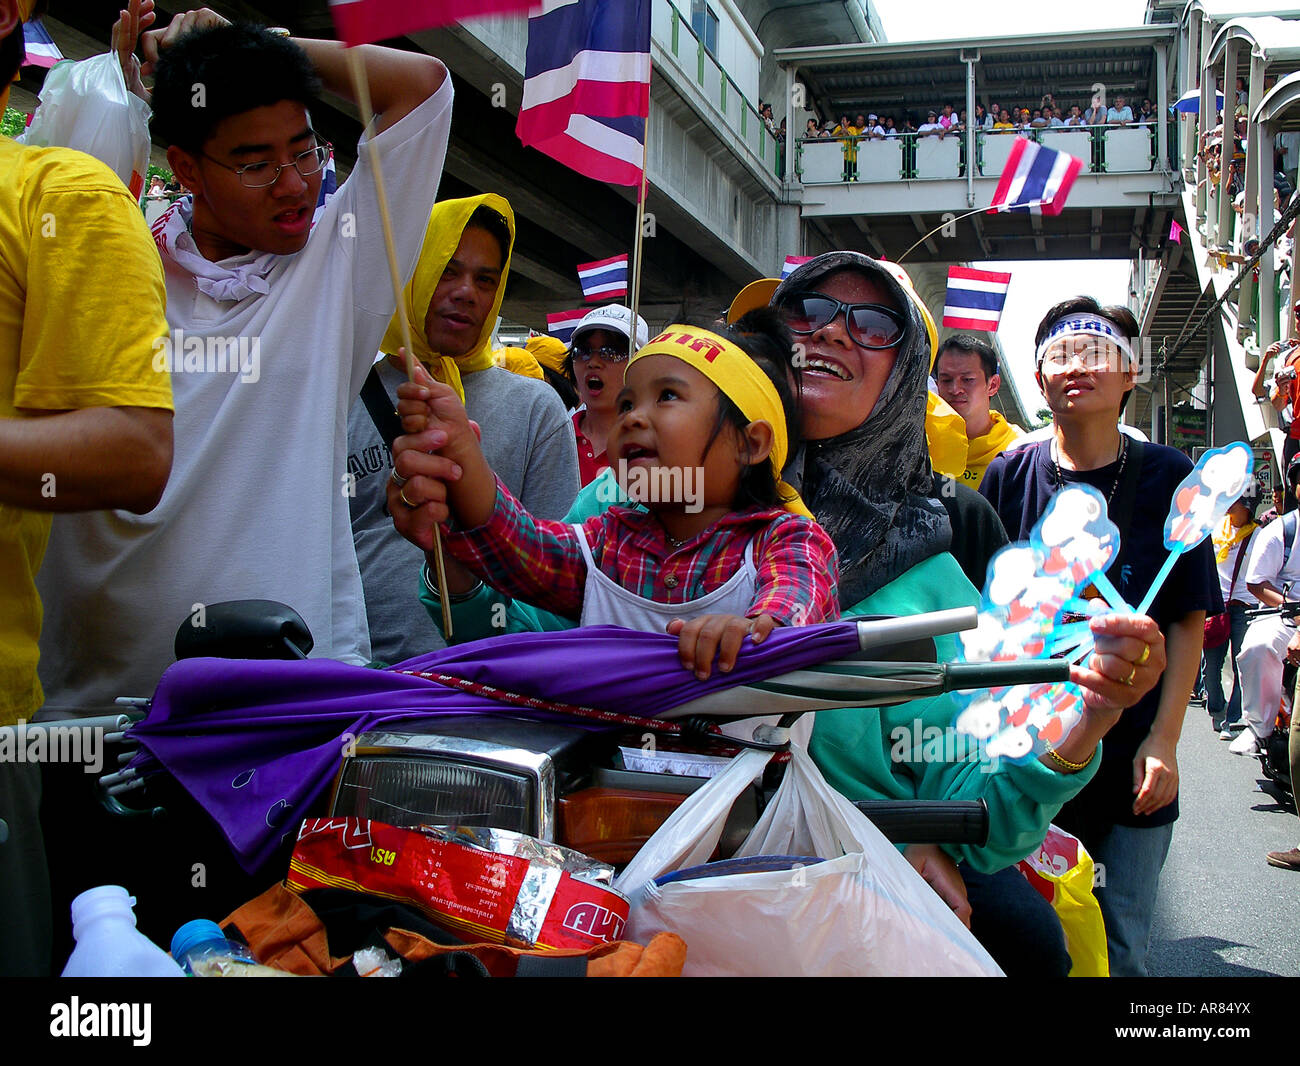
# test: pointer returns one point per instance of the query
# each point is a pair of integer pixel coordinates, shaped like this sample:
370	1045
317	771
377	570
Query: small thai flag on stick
561	324
974	299
605	279
1035	179
792	262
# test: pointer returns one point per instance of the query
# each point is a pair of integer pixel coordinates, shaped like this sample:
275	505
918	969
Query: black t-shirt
977	534
1018	484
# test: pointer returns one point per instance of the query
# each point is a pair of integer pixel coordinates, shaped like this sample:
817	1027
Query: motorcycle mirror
244	629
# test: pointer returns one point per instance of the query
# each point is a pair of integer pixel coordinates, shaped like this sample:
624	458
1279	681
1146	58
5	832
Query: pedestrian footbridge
880	195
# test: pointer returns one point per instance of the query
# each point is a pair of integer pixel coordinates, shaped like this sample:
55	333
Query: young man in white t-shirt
276	310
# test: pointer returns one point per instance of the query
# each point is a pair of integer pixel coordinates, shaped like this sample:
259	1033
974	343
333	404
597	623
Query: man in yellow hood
451	305
966	372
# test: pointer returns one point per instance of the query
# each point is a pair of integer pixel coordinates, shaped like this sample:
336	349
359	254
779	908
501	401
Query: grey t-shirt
527	439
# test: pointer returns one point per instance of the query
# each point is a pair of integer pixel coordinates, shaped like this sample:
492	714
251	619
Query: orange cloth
285	934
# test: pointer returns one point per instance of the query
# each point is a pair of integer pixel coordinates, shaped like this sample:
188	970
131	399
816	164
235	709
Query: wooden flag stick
640	229
367	117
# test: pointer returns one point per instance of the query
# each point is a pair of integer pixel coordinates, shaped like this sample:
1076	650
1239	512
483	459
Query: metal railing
916	156
738	115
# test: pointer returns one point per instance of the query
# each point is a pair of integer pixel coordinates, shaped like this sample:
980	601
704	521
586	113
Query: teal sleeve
912	750
474	618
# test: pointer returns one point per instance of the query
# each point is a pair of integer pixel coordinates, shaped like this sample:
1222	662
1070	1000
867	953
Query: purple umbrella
257	743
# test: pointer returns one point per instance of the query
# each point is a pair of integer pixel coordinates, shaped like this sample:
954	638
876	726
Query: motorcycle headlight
411	779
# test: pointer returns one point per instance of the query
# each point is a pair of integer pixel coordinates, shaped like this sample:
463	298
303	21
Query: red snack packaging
481	884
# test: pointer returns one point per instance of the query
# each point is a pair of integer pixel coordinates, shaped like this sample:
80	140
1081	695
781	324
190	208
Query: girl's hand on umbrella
700	639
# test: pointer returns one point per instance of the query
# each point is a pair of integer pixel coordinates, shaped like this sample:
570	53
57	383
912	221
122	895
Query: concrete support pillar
1254	94
1224	230
1205	123
790	132
1162	107
1188	79
1260	147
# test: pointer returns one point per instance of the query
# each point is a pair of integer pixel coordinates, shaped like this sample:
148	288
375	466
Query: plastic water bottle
108	943
203	950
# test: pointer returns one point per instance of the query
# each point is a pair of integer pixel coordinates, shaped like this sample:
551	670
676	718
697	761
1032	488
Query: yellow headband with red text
741	380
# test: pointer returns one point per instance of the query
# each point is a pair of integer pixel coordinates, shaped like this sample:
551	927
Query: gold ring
397	478
402	496
1131	675
1146	654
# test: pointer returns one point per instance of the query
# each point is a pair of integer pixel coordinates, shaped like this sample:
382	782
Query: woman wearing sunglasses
595	364
865	473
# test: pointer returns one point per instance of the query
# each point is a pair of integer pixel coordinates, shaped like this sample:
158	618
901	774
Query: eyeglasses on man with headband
871	326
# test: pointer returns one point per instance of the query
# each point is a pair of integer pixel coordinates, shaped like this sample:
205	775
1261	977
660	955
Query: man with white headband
1125	815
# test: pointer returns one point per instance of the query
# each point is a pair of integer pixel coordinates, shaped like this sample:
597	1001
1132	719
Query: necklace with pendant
1119	474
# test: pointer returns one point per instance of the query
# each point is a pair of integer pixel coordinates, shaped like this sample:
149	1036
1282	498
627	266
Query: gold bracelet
1070	767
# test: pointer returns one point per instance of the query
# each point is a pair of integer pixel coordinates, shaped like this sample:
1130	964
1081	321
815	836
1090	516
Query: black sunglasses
869	325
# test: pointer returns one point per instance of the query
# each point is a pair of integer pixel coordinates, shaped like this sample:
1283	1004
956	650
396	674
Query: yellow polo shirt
81	304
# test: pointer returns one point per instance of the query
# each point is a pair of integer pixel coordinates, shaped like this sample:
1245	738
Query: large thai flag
587	86
39	45
975	298
561	324
359	21
1035	179
605	279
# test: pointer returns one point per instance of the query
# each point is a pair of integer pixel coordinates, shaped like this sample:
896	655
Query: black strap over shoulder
380	406
1121	508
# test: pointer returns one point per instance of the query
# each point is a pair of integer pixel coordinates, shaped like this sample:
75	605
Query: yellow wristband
1064	763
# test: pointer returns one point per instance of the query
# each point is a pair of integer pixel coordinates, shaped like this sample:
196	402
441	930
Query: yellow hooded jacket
446	225
983	450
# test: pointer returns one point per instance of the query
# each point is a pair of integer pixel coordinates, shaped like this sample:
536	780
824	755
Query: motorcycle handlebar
877	632
929	821
1006	675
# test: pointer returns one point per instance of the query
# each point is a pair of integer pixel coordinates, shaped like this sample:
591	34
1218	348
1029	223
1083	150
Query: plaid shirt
542	561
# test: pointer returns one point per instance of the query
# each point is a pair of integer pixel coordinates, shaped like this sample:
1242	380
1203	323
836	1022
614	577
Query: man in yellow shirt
966	373
85	424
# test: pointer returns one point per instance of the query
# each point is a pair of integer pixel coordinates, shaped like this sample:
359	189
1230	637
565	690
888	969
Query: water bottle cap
192	934
100	902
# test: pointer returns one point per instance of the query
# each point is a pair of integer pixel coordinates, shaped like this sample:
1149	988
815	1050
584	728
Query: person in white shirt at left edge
276	316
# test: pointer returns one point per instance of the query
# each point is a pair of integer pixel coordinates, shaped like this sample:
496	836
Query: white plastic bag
863	912
87	106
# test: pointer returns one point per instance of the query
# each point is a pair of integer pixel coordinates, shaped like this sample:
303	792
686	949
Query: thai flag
561	324
1035	179
329	185
39	45
359	21
605	279
975	298
587	86
793	262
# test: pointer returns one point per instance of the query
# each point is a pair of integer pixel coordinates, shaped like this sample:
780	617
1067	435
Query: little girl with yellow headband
721	549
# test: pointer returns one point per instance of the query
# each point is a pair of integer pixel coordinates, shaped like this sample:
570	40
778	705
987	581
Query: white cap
618	319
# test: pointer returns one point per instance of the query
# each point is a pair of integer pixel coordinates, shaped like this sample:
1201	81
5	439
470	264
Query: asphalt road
1222	910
